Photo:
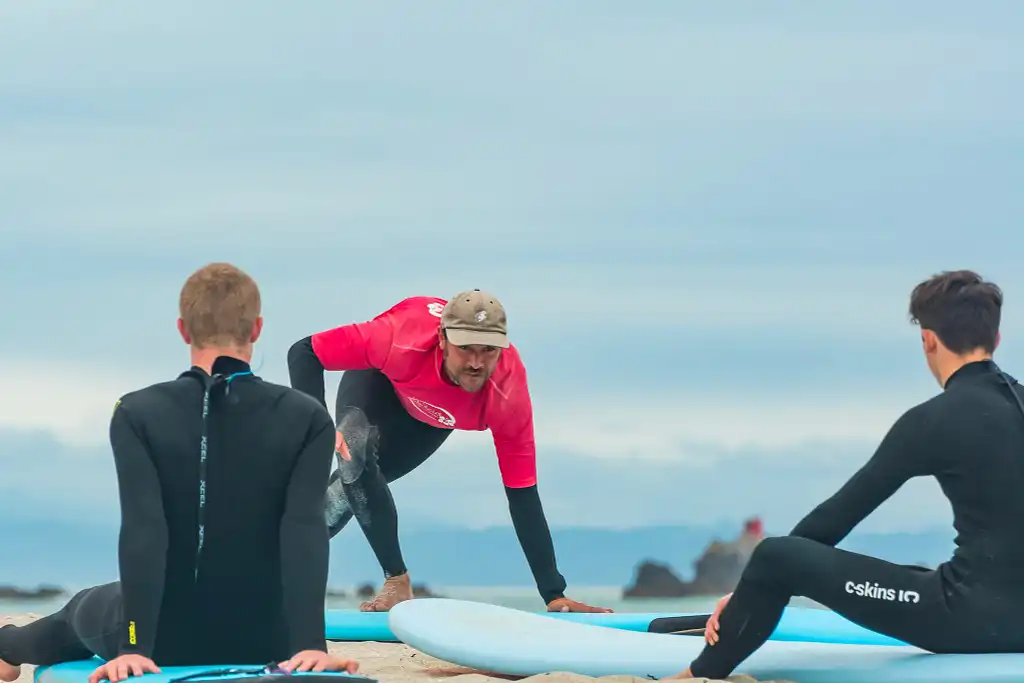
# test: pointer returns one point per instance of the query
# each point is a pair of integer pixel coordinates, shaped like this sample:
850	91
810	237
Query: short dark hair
961	308
219	305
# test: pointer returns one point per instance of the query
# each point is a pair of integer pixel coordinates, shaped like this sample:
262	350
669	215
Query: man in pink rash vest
413	375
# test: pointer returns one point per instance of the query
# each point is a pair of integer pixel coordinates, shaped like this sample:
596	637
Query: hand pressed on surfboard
568	605
123	667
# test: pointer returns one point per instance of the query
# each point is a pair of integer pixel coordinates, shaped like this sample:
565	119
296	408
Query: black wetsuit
387	443
255	593
970	438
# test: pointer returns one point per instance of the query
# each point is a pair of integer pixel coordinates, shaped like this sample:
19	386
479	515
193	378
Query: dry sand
398	663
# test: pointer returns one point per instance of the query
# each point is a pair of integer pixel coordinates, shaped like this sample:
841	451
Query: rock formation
419	590
717	571
41	593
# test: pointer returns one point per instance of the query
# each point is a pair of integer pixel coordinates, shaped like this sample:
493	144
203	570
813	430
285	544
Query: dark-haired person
970	437
223	549
414	374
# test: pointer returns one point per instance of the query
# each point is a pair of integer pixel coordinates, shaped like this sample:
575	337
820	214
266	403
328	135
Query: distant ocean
524	598
74	555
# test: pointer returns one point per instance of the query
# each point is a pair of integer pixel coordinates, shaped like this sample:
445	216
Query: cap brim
469	337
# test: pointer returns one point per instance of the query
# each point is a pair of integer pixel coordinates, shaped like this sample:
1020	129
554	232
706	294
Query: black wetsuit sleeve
305	370
535	538
304	539
901	456
142	545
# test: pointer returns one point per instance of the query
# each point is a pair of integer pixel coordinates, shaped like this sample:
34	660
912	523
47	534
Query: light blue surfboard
353	625
79	672
797	624
501	640
805	624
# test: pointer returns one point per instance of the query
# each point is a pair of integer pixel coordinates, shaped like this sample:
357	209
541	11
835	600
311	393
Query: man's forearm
304	563
535	538
305	542
142	556
142	543
305	370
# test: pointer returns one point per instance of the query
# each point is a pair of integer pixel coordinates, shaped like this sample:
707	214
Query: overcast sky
704	223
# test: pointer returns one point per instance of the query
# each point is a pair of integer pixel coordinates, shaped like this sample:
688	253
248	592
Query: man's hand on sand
120	668
318	660
567	605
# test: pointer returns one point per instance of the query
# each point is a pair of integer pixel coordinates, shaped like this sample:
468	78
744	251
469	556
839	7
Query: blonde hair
219	306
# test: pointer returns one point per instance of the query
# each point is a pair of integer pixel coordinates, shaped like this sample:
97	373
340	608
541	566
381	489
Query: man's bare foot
9	672
395	590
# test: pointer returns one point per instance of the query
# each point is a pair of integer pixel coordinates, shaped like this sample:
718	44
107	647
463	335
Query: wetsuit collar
974	369
226	365
223	365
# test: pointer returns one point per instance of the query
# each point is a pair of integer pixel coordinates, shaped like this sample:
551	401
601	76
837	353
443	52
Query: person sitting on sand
223	549
970	437
413	375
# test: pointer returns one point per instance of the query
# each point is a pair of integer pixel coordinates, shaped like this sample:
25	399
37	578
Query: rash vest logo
436	413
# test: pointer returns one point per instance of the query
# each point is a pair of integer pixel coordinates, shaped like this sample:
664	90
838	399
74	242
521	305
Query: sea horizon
515	597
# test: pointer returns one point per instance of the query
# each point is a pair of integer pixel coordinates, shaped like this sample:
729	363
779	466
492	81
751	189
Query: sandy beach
398	663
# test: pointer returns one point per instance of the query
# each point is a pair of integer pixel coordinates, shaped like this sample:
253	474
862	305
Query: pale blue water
517	597
526	598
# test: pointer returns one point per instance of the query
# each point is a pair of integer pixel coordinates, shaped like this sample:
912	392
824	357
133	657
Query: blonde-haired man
223	549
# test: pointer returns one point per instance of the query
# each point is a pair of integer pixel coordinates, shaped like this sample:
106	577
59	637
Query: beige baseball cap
475	317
